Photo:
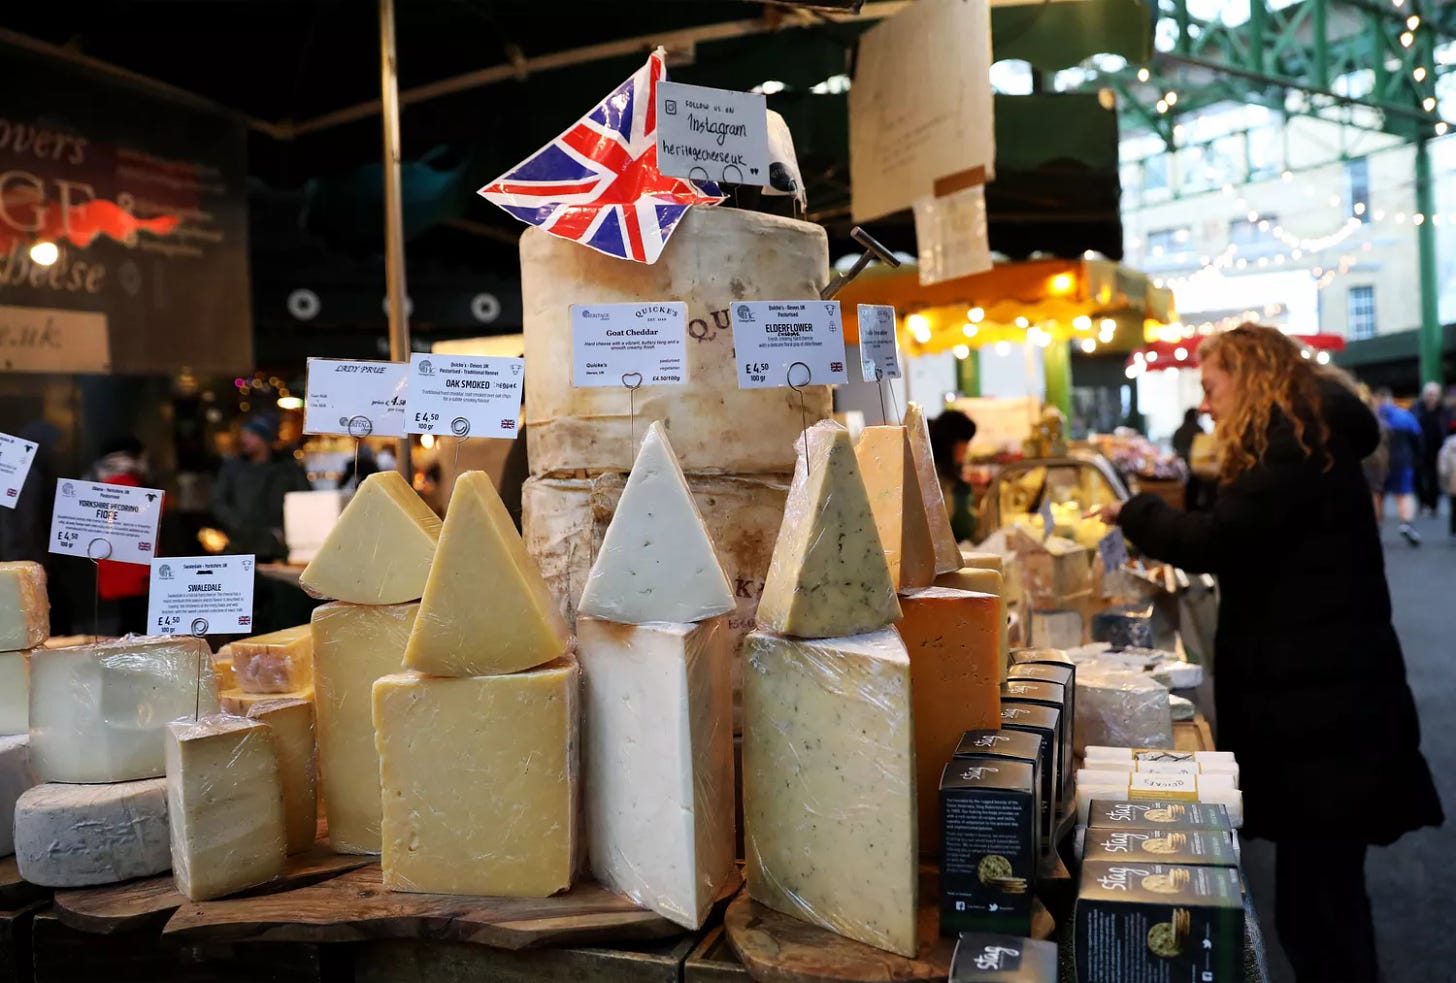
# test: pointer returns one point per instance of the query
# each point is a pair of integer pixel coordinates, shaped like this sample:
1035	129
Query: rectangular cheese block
889	474
657	750
829	784
983	580
1162	786
224	806
222	669
98	712
15	778
84	835
25	607
237	702
1120	708
480	778
279	662
353	645
291	722
380	550
14	693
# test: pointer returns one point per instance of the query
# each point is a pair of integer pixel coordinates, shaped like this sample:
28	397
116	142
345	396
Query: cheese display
279	662
486	609
222	670
983	561
1216	789
381	549
657	561
984	580
81	835
947	550
829	577
25	610
291	722
224	806
888	469
657	748
480	781
237	702
98	712
14	693
1120	708
353	645
15	778
829	784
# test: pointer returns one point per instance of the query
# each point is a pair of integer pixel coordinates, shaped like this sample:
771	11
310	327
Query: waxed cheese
947	550
985	580
291	722
25	611
15	778
380	550
888	468
14	693
279	662
82	835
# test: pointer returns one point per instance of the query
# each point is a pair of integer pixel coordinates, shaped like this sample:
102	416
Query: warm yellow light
427	441
1063	283
1022	322
1144	75
1441	128
962	352
1407	39
45	253
1181	354
1428	103
212	540
969	330
290	403
919	327
976	315
1171	98
1082	322
1419	74
1003	348
1413	21
1089	345
1108	324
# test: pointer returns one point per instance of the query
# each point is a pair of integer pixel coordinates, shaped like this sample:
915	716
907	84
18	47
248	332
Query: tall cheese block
279	662
480	780
657	748
985	580
353	645
14	693
829	784
947	550
82	835
894	489
955	671
380	550
15	778
24	605
717	257
291	722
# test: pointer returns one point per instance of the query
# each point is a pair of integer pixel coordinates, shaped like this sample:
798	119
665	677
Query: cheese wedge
985	580
984	561
14	693
279	662
291	722
894	491
947	550
25	609
380	550
486	609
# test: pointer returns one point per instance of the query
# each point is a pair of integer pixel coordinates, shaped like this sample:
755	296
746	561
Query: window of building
1361	319
1246	231
1357	185
1155	173
1162	242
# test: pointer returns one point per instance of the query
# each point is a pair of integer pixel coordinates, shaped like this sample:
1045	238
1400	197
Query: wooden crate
714	961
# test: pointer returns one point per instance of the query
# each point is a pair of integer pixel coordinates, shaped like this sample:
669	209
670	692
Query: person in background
1434	417
1446	471
1376	464
1183	437
247	497
1405	452
358	467
123	586
951	434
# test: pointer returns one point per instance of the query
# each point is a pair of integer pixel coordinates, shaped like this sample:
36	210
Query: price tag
465	395
784	342
105	522
355	398
1113	550
201	595
879	356
712	134
629	344
16	457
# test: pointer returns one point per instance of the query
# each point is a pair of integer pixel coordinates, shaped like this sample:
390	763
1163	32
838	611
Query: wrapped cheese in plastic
24	605
1122	709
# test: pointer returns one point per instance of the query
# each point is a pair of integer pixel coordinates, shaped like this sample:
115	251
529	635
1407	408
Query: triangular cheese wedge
657	561
894	490
828	576
947	550
379	552
486	610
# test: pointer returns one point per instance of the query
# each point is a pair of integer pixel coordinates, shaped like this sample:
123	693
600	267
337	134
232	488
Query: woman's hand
1107	513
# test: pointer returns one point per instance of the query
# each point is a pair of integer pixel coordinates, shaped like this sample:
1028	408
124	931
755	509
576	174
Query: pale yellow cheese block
25	607
291	722
984	580
222	671
947	550
236	702
279	662
380	550
984	561
888	468
14	693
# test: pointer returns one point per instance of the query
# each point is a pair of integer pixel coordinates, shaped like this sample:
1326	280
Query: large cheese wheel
716	257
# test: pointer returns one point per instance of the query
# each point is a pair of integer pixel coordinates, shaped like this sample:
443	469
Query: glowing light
1131	371
919	327
976	315
1089	345
1419	74
45	253
1304	352
1287	176
1359	208
1418	219
1063	283
1323	358
1152	357
1428	103
1040	338
1022	322
1108	324
1162	106
1082	322
290	403
969	330
1413	21
1441	128
1181	354
962	352
427	441
1144	75
1003	348
1171	98
1407	39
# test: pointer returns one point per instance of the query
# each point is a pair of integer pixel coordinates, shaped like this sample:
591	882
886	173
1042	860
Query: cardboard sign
464	395
629	344
360	399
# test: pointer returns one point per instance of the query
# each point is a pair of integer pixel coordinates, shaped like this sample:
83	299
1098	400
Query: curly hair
1269	372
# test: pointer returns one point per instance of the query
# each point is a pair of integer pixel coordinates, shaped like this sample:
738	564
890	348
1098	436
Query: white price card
629	344
465	395
1113	550
16	457
355	398
105	522
201	595
879	355
712	134
788	342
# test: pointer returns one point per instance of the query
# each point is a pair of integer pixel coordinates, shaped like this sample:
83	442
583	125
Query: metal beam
399	338
1430	337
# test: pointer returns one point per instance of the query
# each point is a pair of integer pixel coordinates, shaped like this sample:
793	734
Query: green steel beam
1430	337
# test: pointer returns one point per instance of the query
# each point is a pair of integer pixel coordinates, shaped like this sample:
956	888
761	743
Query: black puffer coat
1309	680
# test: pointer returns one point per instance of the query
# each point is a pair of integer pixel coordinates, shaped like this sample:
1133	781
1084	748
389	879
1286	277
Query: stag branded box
1015	745
990	846
984	958
1196	847
1157	815
1064	677
1045	722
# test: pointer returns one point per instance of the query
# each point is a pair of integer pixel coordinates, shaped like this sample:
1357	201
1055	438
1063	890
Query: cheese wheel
80	835
15	778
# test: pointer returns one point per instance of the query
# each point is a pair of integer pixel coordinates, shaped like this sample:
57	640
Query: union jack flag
598	183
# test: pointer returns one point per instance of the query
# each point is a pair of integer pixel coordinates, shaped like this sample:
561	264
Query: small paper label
1113	550
712	134
360	399
201	595
788	342
1048	521
465	395
629	344
879	355
105	522
16	457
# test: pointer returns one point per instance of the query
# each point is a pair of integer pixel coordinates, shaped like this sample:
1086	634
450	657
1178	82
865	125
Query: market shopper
247	498
1309	679
1446	469
951	434
1404	448
1434	416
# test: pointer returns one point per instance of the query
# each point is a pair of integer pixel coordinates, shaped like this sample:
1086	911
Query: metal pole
1430	341
399	339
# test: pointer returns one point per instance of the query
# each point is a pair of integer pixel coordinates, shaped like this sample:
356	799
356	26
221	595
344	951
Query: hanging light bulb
976	315
1089	345
1143	75
969	330
45	253
962	352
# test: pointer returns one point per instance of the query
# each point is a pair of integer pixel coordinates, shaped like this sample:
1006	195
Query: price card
16	457
879	356
629	344
465	395
105	522
201	595
1113	550
355	398
712	134
788	342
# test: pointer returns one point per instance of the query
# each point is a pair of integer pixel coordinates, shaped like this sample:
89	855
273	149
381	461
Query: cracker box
990	846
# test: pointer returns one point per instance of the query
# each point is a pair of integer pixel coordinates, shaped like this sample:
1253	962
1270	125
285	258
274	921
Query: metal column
1430	339
399	339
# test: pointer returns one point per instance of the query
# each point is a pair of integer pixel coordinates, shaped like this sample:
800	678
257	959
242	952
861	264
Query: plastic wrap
480	780
294	738
829	784
14	693
657	761
947	550
279	662
224	806
98	712
888	470
1164	666
1120	708
984	580
25	607
1120	786
222	669
82	835
15	778
380	550
236	702
828	577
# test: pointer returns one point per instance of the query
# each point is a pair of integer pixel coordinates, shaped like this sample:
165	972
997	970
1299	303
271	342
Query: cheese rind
888	468
82	835
15	778
380	550
657	749
480	781
985	580
14	693
235	701
25	607
279	662
291	722
947	550
829	784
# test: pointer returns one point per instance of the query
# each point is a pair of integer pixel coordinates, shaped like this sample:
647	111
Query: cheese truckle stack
890	479
82	835
15	778
14	693
380	550
947	550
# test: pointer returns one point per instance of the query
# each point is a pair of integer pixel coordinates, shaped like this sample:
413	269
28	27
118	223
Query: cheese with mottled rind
83	835
888	468
294	739
380	550
279	662
14	693
25	607
984	561
15	778
947	550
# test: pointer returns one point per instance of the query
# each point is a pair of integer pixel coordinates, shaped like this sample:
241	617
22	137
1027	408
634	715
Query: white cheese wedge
82	835
15	778
14	693
25	610
293	737
381	549
947	550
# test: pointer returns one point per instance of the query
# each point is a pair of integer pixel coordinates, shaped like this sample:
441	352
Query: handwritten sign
105	522
629	344
879	355
788	343
355	398
465	395
201	595
712	134
16	457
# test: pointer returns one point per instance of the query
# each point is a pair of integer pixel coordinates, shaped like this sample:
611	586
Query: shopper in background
1306	654
1376	464
1405	452
123	586
1434	417
247	497
1183	438
1446	469
951	434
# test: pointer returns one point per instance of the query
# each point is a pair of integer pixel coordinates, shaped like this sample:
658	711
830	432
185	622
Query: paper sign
16	457
712	134
201	595
1113	550
464	395
788	342
355	398
1047	521
952	236
105	522
879	356
629	344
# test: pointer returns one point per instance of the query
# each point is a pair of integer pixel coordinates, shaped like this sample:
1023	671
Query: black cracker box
984	958
990	845
1045	722
1066	678
1152	922
1194	847
1157	814
1048	695
1015	745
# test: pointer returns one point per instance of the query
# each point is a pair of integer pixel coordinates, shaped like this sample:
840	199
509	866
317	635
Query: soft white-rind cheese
82	835
15	778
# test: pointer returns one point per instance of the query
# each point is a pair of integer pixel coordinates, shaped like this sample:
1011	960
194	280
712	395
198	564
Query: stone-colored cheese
828	577
291	722
83	835
716	257
279	662
657	749
380	550
947	550
14	693
25	608
984	580
225	806
894	490
480	781
984	561
955	672
235	701
353	645
98	712
15	778
657	561
829	784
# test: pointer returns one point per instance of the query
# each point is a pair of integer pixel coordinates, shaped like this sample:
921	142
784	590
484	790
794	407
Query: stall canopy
1183	353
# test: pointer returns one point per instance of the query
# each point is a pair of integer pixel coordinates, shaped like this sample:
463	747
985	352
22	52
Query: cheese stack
657	734
828	744
24	624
